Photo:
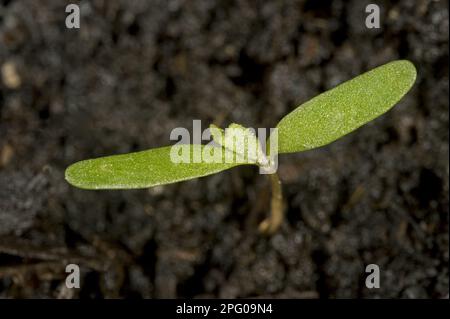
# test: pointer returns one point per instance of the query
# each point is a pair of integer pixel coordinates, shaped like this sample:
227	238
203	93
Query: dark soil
137	69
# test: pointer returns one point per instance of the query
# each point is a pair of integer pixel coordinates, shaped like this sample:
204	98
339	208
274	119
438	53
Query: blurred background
137	69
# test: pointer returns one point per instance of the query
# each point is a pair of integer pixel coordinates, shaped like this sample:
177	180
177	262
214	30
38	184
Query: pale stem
271	224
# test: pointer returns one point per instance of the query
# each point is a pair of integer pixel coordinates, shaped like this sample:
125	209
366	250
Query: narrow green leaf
142	169
346	107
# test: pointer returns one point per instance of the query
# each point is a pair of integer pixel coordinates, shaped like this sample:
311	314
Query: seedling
318	122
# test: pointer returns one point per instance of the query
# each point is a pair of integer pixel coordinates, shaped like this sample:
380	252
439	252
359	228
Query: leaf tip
407	69
69	175
72	175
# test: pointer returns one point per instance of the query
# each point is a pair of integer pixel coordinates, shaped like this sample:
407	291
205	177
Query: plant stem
271	224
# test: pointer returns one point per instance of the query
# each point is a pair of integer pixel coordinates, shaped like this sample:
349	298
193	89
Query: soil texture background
137	69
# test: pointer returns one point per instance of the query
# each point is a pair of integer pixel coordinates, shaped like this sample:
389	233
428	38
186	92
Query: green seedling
318	122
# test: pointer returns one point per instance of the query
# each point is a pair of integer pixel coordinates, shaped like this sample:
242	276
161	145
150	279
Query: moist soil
137	69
